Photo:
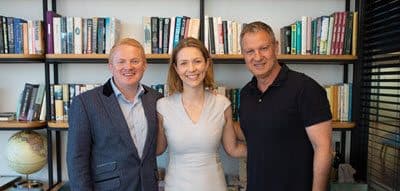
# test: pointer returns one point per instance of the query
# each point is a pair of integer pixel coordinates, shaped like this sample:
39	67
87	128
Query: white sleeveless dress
194	162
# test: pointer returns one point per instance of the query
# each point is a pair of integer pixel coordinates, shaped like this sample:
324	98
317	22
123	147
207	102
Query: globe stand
28	185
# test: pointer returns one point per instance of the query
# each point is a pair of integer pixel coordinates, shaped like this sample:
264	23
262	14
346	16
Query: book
77	35
101	33
7	116
49	31
56	39
147	35
1	36
166	34
286	39
154	34
7	181
26	99
354	34
160	35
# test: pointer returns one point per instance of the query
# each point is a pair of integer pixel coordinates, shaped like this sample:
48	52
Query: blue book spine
298	37
178	23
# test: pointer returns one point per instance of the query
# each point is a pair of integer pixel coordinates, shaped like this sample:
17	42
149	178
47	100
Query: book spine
25	38
206	36
49	31
94	35
330	35
1	36
31	110
324	35
38	102
10	24
154	35
178	23
5	35
171	35
354	34
64	37
211	35
160	35
293	39
225	36
57	35
89	30
77	35
147	35
25	102
303	35
166	34
58	102
101	35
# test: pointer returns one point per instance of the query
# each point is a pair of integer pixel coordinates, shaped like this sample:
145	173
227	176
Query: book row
161	35
20	36
222	36
31	102
325	35
339	97
77	35
233	94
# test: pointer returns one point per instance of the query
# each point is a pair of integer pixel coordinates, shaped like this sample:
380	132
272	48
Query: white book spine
57	35
206	29
77	35
171	36
304	35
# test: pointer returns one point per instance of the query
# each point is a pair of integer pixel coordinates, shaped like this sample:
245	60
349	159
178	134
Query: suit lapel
117	117
151	123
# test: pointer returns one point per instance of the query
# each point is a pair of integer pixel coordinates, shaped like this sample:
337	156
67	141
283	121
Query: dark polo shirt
280	155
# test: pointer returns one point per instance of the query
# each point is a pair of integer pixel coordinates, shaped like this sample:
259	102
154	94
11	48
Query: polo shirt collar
280	79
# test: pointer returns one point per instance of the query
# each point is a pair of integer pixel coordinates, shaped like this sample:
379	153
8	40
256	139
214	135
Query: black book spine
211	35
154	35
225	35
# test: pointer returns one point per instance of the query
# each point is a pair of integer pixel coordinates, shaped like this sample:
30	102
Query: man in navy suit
112	128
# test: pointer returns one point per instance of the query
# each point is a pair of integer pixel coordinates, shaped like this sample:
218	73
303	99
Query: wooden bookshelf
214	56
21	58
21	125
343	125
335	125
292	57
60	125
100	58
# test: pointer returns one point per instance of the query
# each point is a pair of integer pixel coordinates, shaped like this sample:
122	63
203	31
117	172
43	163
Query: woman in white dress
193	121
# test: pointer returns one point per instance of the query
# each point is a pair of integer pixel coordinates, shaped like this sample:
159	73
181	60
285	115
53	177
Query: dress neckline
187	116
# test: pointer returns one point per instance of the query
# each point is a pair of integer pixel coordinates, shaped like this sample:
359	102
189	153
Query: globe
27	152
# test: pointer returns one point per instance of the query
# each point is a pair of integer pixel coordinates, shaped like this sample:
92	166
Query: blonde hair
175	84
128	42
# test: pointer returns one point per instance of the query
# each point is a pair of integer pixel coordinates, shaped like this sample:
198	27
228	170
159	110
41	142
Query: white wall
130	12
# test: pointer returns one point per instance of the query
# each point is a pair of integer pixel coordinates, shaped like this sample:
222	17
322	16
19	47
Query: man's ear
276	46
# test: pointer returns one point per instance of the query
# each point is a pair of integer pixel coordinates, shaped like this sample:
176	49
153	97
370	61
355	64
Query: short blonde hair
175	84
128	42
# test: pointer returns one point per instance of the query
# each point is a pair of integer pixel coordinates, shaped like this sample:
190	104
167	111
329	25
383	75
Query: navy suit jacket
101	154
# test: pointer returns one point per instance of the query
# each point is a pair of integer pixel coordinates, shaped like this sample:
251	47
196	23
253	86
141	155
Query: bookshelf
22	125
62	67
63	125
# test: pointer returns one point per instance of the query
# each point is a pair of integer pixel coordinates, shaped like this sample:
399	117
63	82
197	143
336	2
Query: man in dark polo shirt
285	119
